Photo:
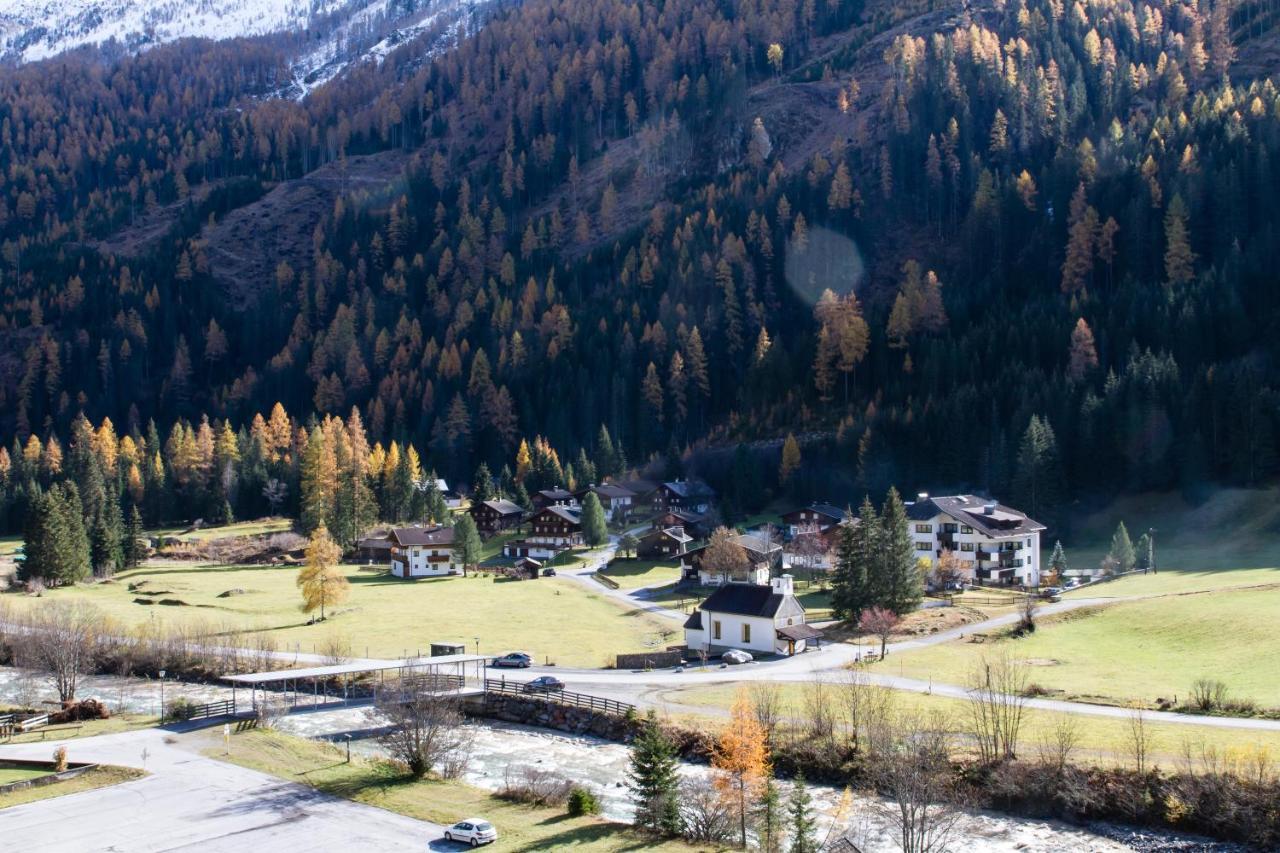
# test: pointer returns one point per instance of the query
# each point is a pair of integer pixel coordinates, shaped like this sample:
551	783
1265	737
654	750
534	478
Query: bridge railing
559	697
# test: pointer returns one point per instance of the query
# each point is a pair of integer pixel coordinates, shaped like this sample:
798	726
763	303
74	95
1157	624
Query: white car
473	831
736	656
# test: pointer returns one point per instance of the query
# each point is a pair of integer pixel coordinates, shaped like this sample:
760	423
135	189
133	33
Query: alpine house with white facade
995	544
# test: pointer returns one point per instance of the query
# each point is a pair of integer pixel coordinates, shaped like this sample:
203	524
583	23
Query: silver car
473	831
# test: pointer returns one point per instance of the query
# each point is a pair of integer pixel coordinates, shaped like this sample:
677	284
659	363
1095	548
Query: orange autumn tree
741	762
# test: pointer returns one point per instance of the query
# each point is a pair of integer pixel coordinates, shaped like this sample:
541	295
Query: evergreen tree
654	780
133	545
1122	549
1058	562
901	584
790	461
483	489
1142	553
769	819
855	551
595	530
40	540
1038	479
318	476
106	553
803	824
466	541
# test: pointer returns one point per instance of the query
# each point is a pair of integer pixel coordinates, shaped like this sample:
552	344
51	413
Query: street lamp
1151	551
162	695
477	639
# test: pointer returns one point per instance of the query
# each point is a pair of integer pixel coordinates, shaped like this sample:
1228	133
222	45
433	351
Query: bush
60	759
582	802
535	787
179	709
1208	694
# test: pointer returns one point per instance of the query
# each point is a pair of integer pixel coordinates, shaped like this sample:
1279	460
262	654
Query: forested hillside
1024	247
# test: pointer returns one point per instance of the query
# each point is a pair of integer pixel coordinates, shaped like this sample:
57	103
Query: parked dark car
548	573
544	684
514	659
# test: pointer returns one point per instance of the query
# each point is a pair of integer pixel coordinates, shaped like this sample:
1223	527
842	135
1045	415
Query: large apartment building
995	544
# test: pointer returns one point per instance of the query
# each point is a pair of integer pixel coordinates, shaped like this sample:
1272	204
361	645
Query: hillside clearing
555	619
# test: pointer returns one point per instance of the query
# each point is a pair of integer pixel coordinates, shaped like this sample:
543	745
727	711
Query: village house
642	489
452	499
763	557
553	497
616	500
756	618
693	495
495	516
815	518
995	544
375	547
691	522
551	530
422	552
663	544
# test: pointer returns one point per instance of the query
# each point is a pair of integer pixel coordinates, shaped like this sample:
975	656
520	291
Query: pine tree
595	529
654	780
769	819
1122	549
483	488
900	580
790	460
1179	260
856	548
106	554
1038	479
1058	561
803	824
466	541
134	547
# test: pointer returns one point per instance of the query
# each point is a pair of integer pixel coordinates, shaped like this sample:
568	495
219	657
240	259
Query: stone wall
651	660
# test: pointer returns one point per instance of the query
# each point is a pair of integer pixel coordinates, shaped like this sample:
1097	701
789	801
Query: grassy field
89	728
19	774
634	574
257	527
1101	740
552	618
1179	581
99	777
519	827
1142	650
1232	529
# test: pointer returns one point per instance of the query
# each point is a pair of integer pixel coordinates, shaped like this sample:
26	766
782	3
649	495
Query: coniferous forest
1024	247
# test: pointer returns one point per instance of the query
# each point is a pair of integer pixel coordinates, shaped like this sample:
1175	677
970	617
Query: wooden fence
559	697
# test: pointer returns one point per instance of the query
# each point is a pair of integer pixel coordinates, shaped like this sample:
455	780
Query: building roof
690	488
555	494
758	544
747	599
410	664
694	622
569	514
409	536
685	515
831	511
502	506
638	487
609	490
986	516
799	632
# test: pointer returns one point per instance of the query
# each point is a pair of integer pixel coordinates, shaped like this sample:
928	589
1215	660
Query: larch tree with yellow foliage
740	760
322	583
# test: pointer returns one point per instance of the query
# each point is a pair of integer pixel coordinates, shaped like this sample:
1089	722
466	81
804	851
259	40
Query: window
924	546
715	630
924	528
966	546
964	528
746	633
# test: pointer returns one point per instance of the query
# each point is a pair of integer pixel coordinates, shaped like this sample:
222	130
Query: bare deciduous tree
1058	742
61	641
706	817
915	774
426	731
766	705
1139	738
997	701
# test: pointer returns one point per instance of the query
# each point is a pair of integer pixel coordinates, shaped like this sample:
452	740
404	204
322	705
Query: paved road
192	802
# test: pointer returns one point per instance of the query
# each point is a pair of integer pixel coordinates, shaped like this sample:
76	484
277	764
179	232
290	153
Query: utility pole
1151	551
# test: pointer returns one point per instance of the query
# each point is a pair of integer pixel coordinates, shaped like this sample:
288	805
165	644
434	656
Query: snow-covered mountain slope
338	30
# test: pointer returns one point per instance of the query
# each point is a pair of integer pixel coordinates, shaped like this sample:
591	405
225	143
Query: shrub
60	759
179	709
582	802
1208	694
